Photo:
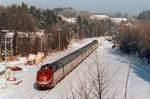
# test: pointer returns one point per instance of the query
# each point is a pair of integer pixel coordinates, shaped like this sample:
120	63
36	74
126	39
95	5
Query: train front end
44	78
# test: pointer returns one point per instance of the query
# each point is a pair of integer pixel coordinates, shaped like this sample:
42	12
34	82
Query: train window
45	67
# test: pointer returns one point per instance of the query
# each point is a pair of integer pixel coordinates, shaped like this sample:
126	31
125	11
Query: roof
70	20
118	20
9	35
5	31
99	17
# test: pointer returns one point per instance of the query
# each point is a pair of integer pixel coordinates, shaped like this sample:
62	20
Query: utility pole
83	31
59	40
5	64
41	35
70	31
5	49
96	30
59	29
41	44
78	28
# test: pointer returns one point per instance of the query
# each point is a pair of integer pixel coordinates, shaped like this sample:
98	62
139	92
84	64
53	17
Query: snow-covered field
139	80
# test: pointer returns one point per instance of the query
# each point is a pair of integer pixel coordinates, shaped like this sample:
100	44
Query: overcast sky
129	6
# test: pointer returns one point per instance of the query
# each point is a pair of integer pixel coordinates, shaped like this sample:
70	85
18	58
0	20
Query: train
50	74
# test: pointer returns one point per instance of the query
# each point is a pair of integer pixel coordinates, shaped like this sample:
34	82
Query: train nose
44	77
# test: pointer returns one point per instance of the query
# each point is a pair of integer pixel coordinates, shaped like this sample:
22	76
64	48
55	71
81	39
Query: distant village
7	36
28	30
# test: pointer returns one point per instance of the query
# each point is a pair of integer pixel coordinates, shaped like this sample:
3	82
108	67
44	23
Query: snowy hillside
113	59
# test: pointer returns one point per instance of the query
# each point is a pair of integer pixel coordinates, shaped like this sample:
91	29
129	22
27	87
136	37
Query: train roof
56	65
66	59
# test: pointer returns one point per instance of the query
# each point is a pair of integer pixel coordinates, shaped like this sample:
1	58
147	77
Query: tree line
95	27
25	21
135	39
145	15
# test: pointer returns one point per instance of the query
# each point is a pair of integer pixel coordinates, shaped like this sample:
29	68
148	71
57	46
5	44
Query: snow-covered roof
118	20
5	31
62	17
99	17
129	24
31	56
70	20
9	35
40	33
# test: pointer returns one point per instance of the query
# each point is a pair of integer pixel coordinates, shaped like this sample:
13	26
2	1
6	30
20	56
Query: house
9	39
6	42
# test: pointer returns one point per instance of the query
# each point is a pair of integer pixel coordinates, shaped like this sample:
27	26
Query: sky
99	6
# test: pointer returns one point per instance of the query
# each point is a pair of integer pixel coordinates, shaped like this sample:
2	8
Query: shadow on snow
141	69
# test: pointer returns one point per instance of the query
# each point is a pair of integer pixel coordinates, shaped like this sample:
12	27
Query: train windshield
46	67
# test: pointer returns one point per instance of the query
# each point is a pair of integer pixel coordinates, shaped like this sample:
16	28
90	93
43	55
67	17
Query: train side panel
67	68
58	75
79	59
75	62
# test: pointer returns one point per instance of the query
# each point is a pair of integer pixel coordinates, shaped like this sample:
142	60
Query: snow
139	80
118	20
2	68
70	20
9	35
99	17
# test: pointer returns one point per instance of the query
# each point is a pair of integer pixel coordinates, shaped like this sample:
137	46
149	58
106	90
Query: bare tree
95	85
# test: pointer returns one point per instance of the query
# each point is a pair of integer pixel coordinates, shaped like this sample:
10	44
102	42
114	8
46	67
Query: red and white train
50	74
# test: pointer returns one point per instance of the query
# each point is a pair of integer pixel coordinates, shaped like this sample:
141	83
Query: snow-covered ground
139	80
